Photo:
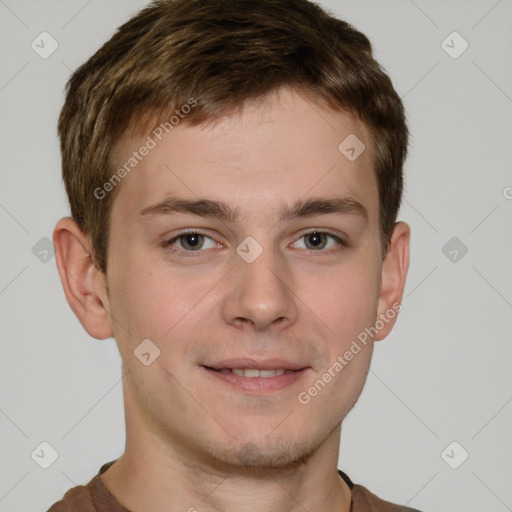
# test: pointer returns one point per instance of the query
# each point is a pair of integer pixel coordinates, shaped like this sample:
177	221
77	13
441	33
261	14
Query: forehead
274	151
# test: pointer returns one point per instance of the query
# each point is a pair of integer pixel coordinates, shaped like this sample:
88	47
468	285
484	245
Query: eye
191	241
194	241
318	240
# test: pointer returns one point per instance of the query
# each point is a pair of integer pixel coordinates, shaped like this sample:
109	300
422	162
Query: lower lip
259	385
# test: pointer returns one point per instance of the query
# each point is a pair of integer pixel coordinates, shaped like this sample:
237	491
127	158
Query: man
234	170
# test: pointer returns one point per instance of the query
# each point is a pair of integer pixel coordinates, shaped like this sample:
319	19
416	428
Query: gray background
443	375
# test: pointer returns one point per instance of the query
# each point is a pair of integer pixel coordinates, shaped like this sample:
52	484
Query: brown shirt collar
95	497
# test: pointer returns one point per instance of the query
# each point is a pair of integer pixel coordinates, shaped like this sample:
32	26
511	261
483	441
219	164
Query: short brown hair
222	53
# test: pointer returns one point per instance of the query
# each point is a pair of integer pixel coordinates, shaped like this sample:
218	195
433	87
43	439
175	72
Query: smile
256	381
252	372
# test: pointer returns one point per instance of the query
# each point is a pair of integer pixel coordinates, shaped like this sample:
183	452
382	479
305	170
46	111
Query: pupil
193	240
317	237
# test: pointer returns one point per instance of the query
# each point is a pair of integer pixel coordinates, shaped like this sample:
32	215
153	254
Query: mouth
255	377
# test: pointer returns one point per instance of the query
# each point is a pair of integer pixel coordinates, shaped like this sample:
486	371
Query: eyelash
168	243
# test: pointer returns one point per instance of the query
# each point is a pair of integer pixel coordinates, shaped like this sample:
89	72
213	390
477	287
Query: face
285	279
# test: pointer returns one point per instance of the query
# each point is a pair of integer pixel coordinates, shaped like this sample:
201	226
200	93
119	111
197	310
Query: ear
394	272
84	284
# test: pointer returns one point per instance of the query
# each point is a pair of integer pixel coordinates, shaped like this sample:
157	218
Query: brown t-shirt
95	497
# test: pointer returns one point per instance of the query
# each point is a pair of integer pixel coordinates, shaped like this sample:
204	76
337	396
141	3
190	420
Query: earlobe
394	274
79	277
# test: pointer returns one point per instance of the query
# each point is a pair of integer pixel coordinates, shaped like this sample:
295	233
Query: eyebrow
221	210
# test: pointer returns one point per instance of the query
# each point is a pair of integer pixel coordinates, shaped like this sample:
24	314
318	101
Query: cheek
141	294
345	299
153	300
348	306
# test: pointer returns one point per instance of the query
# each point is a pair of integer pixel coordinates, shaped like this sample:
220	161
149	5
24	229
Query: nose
260	294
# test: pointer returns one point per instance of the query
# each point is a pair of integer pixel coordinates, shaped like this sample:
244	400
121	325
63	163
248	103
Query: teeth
270	373
252	372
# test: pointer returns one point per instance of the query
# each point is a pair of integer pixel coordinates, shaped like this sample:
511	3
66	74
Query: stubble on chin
249	458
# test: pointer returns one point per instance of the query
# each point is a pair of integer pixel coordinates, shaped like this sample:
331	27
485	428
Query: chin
263	454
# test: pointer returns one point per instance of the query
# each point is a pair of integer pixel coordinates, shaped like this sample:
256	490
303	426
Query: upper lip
265	364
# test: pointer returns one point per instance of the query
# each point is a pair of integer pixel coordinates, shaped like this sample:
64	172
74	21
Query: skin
193	440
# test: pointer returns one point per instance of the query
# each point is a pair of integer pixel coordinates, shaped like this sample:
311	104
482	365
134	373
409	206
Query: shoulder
365	501
76	499
92	497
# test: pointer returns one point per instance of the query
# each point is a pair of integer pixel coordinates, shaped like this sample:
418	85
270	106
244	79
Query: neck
152	485
155	474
